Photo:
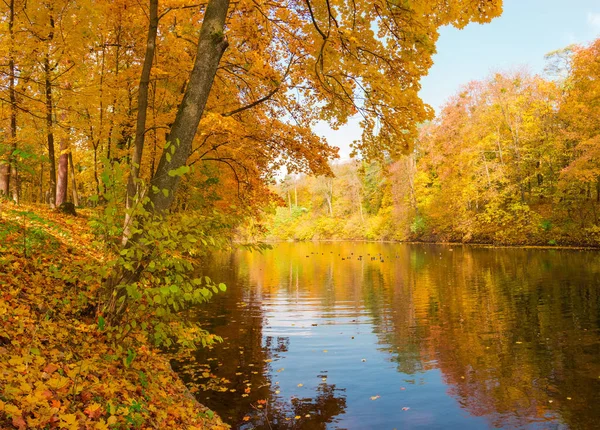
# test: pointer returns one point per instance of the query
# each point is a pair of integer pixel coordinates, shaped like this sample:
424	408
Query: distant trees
514	158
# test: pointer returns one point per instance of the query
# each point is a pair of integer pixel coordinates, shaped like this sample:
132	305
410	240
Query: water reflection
364	335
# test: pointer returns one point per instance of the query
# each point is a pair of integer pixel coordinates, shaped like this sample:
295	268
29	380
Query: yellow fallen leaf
375	397
300	385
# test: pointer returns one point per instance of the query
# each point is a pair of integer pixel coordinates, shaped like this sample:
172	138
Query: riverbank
58	367
272	241
534	230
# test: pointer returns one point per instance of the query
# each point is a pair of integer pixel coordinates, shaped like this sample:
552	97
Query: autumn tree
580	117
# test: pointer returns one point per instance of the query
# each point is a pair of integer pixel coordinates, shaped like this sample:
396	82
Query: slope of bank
57	368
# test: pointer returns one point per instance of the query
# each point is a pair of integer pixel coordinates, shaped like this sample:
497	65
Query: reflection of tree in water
314	413
233	378
278	345
515	332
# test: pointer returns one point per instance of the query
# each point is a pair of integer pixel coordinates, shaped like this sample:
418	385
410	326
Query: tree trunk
133	184
73	182
9	168
96	180
62	180
211	46
4	177
42	181
49	117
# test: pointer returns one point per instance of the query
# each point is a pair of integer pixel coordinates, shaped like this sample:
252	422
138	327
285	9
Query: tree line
511	159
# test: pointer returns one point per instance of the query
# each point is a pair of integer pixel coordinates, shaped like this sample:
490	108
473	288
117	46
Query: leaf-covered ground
57	369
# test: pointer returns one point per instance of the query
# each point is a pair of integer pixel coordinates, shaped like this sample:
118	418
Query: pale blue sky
526	31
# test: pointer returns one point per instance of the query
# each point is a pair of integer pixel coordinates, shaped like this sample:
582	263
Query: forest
510	160
138	139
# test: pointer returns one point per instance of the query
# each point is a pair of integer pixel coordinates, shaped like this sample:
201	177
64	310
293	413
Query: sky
526	31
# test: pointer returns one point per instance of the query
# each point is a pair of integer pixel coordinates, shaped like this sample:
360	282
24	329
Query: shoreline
462	244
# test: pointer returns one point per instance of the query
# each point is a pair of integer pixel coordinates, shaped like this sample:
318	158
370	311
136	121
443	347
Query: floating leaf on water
375	397
405	408
300	385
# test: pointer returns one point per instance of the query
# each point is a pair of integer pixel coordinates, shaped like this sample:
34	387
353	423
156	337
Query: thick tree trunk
62	180
4	177
211	46
140	130
49	117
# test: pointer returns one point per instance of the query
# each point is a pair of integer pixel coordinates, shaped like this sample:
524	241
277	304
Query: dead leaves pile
56	369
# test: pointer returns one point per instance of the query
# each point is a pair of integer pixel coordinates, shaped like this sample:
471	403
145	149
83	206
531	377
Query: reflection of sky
360	367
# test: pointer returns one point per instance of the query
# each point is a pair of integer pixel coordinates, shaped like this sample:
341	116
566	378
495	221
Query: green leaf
101	323
180	171
222	287
165	192
129	359
35	351
191	238
168	156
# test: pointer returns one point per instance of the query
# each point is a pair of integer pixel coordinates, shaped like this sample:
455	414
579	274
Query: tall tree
133	183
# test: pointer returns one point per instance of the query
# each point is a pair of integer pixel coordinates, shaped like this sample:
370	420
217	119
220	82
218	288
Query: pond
353	335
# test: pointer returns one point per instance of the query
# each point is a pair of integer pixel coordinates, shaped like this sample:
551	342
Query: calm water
430	337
